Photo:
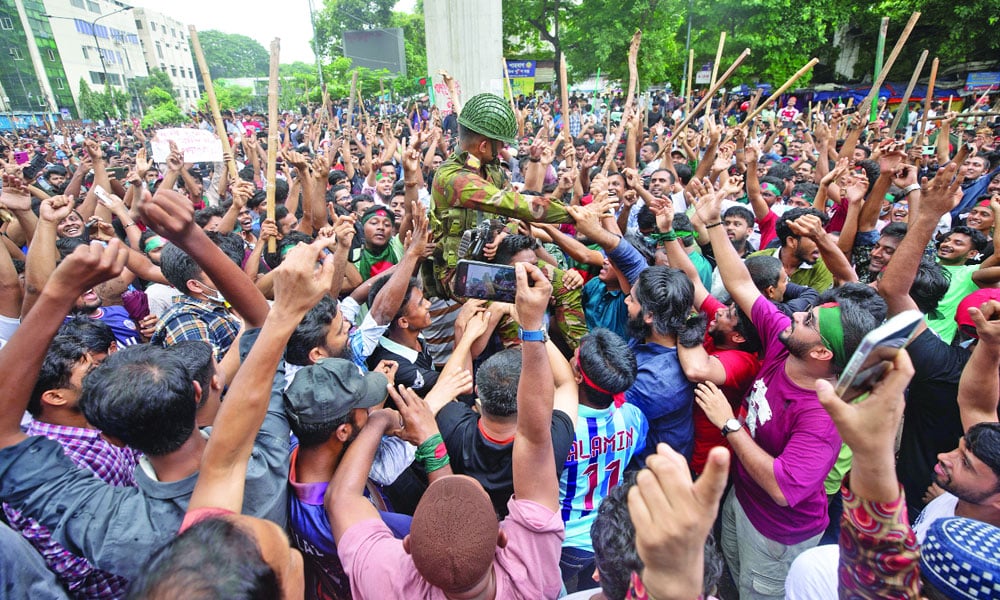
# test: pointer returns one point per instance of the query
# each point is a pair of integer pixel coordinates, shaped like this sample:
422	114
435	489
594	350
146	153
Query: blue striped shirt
605	442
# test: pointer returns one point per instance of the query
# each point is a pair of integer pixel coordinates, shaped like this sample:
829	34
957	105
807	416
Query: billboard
376	49
522	77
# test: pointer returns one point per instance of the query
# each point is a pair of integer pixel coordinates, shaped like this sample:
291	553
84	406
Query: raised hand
937	196
417	419
55	209
142	164
298	284
15	195
533	293
88	266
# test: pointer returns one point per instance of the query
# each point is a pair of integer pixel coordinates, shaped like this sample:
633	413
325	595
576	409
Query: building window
93	7
96	77
76	3
60	83
187	94
173	71
190	73
152	26
16	54
183	75
159	50
52	55
86	55
6	24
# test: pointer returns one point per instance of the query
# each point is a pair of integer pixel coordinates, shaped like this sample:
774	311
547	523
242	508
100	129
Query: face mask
215	296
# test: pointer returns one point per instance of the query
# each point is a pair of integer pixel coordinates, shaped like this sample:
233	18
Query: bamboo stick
272	134
213	103
791	80
718	58
909	91
927	100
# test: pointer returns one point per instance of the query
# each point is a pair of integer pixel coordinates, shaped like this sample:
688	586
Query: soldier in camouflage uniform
472	182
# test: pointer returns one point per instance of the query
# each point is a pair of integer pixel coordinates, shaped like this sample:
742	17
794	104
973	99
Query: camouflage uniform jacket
463	189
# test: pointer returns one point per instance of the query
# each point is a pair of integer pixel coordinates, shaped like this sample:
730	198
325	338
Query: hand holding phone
875	354
485	281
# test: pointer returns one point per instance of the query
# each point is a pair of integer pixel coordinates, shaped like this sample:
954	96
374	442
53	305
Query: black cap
329	390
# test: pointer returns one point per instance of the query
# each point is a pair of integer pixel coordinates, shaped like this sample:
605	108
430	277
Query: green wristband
432	454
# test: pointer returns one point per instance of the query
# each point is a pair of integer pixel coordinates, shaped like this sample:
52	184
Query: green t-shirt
943	322
816	276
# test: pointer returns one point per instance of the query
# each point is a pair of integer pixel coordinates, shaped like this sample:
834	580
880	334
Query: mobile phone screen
485	281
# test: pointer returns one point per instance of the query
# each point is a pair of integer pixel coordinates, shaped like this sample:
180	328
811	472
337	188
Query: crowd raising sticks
293	373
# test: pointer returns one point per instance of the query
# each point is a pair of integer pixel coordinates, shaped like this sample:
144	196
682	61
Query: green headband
153	243
832	332
770	187
378	212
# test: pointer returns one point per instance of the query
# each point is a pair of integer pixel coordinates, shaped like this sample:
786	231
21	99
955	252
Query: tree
228	95
233	55
157	79
527	23
338	16
602	30
112	102
162	109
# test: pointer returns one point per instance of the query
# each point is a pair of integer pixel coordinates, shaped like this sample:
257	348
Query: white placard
197	145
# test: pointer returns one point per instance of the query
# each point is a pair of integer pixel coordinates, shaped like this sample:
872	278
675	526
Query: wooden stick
718	57
272	134
928	99
909	90
963	116
873	92
564	104
350	98
706	99
808	67
213	103
507	86
361	103
633	77
687	100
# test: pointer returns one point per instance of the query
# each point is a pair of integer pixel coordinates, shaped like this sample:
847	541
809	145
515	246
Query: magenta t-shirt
788	423
527	568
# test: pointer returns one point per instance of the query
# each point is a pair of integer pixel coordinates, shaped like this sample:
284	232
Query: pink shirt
528	567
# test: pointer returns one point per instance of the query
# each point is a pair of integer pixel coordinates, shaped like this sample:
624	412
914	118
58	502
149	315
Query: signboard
197	145
980	82
704	76
376	49
522	77
441	91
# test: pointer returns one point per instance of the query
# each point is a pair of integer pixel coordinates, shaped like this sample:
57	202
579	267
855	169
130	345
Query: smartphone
485	281
92	222
36	166
875	354
928	150
118	173
102	196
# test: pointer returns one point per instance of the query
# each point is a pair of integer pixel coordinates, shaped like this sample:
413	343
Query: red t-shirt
766	228
741	369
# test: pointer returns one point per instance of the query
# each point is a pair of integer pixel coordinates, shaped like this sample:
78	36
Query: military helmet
491	116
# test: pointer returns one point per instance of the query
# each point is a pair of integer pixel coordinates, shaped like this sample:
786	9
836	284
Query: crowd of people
210	396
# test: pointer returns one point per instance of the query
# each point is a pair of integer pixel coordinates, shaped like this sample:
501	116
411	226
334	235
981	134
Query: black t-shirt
931	420
418	373
489	462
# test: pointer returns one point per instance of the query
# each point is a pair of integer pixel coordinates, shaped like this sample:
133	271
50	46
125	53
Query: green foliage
157	79
112	102
228	95
233	55
167	113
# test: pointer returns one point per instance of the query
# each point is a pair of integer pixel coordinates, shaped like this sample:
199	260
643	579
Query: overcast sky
288	20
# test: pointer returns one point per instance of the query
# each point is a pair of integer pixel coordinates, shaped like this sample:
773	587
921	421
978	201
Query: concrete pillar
465	38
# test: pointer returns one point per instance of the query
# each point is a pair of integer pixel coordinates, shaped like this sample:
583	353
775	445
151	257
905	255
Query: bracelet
534	159
132	224
716	224
911	188
432	454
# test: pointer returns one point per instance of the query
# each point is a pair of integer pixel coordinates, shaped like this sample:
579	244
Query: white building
97	42
165	46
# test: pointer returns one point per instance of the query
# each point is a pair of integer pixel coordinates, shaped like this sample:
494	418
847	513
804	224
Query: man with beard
800	254
381	248
54	180
784	443
658	304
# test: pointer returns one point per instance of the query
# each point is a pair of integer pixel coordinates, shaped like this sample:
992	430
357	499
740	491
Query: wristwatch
911	188
731	426
538	335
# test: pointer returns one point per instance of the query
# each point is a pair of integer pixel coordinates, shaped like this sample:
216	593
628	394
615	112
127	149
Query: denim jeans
577	568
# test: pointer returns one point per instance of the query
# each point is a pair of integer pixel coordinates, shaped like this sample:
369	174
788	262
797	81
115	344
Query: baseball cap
329	390
959	557
973	300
